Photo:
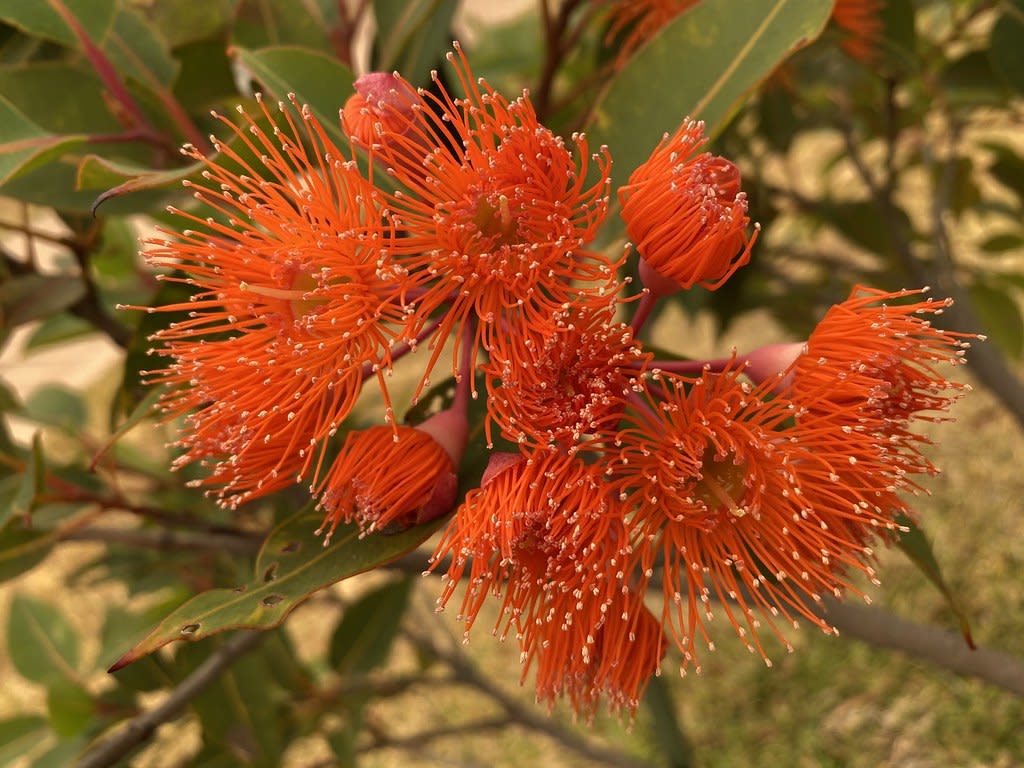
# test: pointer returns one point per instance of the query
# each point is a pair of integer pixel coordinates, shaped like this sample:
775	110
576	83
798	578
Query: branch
168	541
879	628
465	672
142	728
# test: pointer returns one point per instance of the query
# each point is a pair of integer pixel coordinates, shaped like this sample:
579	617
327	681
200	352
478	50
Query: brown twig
881	629
518	714
141	728
168	541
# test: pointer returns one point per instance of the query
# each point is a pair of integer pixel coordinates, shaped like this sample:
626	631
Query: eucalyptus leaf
292	565
315	78
43	645
700	65
25	146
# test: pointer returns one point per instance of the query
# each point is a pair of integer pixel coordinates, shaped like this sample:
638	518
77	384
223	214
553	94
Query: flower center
722	486
496	221
299	302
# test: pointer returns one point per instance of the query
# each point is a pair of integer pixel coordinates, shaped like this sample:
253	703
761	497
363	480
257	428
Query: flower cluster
633	497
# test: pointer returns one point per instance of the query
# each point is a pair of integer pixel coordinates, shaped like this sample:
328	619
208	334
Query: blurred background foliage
904	171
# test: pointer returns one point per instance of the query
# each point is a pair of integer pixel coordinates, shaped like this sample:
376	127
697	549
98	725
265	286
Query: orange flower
387	480
293	308
871	364
719	480
544	535
495	215
640	20
564	383
614	665
861	21
686	215
378	96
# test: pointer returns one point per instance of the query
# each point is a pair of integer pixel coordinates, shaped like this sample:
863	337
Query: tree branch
877	627
465	672
141	728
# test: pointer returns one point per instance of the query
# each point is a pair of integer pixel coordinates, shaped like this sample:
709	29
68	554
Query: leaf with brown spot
298	564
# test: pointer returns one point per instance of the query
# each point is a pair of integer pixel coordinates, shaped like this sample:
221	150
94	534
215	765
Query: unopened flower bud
380	99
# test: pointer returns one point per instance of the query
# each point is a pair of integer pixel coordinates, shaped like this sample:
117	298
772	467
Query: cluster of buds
633	497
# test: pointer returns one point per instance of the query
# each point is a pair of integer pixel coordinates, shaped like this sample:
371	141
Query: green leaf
668	733
916	546
859	222
970	82
701	65
1006	45
58	328
119	178
411	36
71	709
261	23
31	485
206	79
138	51
22	548
25	146
292	565
61	755
81	107
1007	241
41	19
1001	317
34	297
42	644
19	736
368	628
186	21
242	713
57	406
1007	167
315	78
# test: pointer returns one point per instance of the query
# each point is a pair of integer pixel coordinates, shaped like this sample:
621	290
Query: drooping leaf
34	297
700	65
1000	315
139	51
43	645
25	146
315	78
58	328
363	638
1006	45
292	565
81	107
411	36
21	548
262	23
969	81
672	742
30	485
71	708
916	546
243	712
19	735
186	21
42	19
119	178
56	406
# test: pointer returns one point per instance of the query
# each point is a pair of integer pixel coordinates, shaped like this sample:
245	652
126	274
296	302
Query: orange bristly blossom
495	213
631	23
626	499
861	23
